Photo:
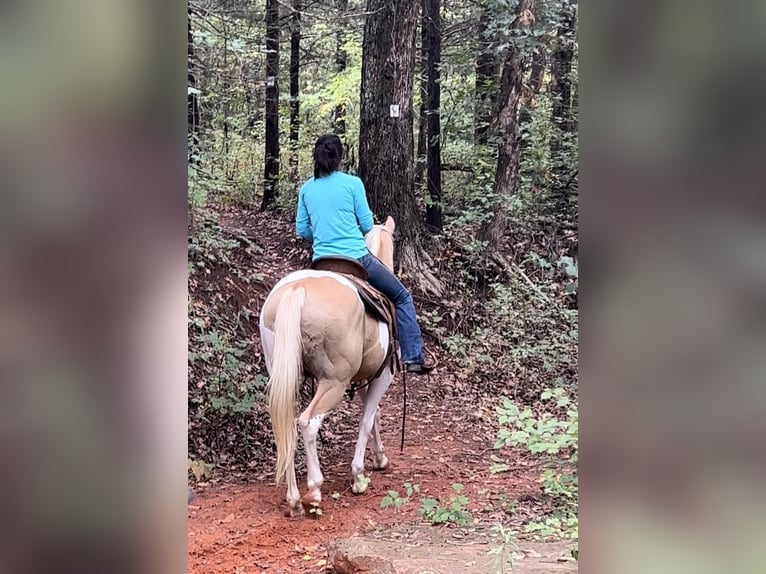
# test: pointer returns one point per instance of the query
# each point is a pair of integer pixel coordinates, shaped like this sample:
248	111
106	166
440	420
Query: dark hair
328	152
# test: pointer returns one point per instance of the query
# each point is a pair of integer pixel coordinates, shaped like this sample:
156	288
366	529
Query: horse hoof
381	463
312	498
295	511
360	485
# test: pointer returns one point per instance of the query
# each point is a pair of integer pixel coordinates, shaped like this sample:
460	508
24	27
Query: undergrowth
225	382
552	434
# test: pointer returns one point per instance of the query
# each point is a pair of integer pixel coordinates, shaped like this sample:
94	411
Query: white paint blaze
383	334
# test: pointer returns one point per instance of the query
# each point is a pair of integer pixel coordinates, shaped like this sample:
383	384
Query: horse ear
390	224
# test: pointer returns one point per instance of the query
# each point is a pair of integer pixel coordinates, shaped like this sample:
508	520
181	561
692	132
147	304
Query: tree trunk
561	70
225	91
534	85
271	169
486	81
295	44
563	101
432	21
386	142
341	59
509	150
420	154
192	114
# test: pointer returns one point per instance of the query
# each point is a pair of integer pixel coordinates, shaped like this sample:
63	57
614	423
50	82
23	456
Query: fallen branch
511	268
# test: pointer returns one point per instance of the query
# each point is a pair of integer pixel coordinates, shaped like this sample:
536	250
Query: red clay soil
238	527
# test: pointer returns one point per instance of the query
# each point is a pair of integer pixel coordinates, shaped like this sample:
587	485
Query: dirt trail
239	527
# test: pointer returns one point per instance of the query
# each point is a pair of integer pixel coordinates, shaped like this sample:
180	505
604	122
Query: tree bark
561	71
295	45
420	154
225	96
534	85
509	150
271	168
192	114
486	80
386	143
432	22
563	102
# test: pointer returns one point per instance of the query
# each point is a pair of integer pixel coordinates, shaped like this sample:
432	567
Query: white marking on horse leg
380	460
375	391
294	506
314	478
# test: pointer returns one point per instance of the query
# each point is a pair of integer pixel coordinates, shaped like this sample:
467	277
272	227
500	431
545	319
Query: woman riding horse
333	212
314	323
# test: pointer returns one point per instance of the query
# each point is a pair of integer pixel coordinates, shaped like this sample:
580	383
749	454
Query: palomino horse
314	323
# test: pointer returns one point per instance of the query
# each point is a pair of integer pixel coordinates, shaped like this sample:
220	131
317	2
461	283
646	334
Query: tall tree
509	149
385	129
271	169
561	93
486	78
432	23
420	153
561	69
534	85
192	114
341	61
295	58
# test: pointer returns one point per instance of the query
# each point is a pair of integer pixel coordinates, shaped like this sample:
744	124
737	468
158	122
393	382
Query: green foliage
392	497
553	436
544	434
224	383
528	339
449	511
504	551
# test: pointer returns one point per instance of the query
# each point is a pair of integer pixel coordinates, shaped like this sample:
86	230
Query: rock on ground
413	555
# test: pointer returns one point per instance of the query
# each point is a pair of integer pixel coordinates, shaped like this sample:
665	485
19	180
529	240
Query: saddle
375	302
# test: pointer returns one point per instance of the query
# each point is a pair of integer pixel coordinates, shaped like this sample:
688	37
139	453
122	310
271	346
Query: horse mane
373	238
376	246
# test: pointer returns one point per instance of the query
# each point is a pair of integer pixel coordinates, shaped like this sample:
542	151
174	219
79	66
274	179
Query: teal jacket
333	212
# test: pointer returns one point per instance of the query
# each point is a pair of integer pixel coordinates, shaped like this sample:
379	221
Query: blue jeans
410	339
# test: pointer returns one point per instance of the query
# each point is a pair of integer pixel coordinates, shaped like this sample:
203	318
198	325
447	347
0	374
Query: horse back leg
294	506
375	391
379	458
328	395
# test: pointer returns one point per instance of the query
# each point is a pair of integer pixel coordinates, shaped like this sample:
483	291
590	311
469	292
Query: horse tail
286	371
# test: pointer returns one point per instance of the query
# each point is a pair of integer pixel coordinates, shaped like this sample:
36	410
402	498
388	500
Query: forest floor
237	523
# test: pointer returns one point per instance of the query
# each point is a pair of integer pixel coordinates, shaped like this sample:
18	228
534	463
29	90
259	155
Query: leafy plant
452	510
392	497
504	551
556	438
199	469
